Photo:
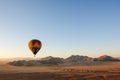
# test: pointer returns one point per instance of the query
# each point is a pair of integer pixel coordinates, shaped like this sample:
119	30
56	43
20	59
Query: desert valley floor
102	72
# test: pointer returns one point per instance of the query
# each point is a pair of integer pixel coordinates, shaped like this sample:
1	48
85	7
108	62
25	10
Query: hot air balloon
34	45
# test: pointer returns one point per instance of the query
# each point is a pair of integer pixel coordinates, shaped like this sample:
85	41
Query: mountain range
72	60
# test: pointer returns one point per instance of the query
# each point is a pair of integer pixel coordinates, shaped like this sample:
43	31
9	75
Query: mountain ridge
71	60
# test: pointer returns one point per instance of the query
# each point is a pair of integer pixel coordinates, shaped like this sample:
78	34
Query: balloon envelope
34	45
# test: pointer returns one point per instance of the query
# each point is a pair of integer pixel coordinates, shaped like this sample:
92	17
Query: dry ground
103	72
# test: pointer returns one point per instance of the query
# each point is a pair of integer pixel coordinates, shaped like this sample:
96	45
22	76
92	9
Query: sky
65	27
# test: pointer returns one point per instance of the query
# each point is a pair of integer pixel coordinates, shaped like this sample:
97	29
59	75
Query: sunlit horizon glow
65	27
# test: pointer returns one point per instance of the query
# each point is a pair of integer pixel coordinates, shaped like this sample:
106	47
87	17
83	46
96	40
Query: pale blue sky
65	27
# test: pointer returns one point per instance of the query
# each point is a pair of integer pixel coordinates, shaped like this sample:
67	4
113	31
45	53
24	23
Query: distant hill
72	60
77	58
107	58
52	60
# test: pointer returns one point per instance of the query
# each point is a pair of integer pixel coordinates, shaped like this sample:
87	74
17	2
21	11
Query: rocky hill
52	60
107	58
72	60
77	58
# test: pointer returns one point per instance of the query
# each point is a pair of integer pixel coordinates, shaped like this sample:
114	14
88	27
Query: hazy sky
65	27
